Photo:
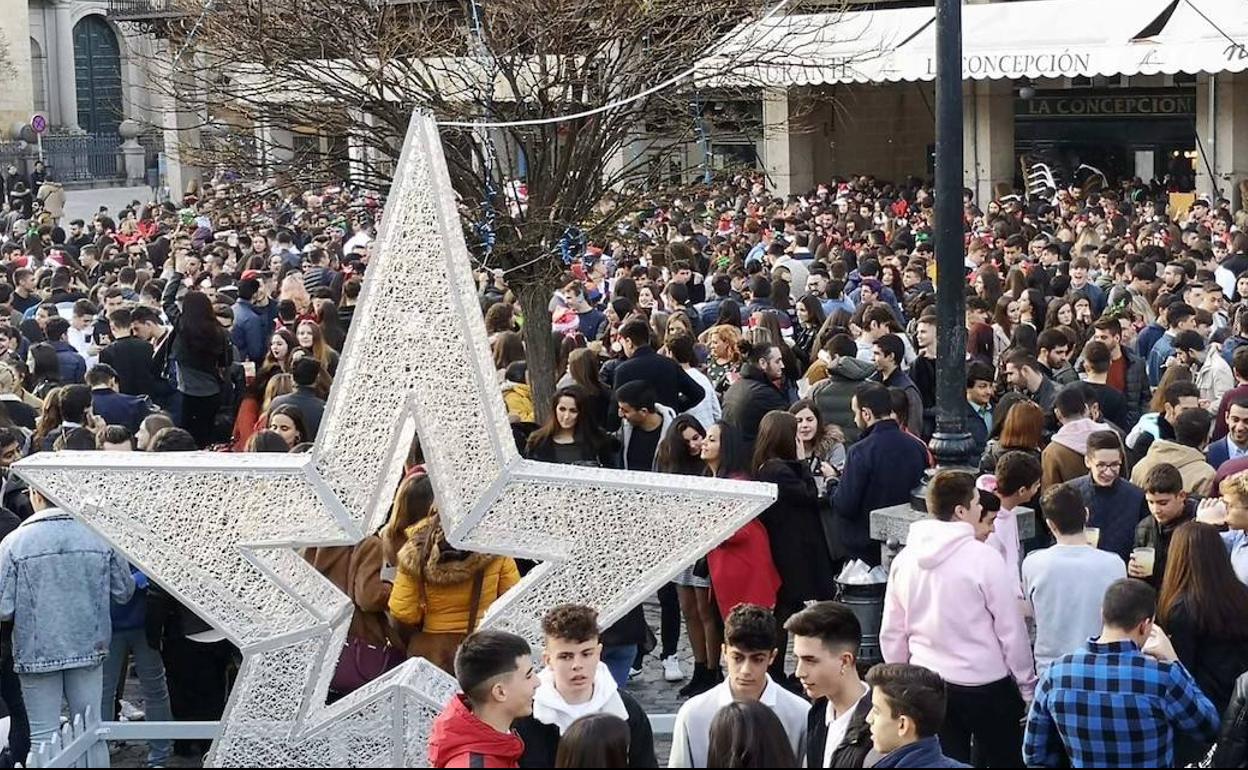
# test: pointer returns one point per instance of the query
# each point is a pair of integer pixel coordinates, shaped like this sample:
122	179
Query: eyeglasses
1107	466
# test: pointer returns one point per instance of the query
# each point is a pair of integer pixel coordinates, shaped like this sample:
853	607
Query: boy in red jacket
495	672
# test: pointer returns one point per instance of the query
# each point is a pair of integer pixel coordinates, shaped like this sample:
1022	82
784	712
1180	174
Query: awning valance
1036	39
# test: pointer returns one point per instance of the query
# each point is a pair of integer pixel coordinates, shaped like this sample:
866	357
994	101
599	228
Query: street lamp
951	444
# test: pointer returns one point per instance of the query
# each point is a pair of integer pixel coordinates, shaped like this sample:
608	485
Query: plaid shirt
1111	706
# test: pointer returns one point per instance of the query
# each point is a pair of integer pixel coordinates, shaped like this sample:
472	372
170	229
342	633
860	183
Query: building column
1224	140
17	101
787	156
181	127
361	157
65	75
988	136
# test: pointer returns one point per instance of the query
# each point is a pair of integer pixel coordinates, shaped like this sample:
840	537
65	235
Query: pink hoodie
951	608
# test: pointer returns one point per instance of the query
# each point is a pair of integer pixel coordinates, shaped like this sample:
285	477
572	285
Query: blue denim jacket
56	580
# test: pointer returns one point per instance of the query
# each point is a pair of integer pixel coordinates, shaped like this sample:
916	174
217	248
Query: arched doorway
97	68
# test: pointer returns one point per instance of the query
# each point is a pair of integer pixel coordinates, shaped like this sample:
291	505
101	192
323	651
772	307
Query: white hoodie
550	708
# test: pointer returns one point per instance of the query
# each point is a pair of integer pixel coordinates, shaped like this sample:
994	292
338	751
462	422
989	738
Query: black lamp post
952	444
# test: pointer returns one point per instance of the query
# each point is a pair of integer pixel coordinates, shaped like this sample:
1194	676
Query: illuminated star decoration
218	531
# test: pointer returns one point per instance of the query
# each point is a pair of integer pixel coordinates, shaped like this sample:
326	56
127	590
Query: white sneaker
131	712
671	670
633	673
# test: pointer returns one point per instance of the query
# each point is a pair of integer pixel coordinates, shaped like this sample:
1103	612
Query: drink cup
1144	559
1094	536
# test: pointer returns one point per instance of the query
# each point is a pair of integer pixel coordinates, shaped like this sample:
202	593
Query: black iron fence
83	158
136	10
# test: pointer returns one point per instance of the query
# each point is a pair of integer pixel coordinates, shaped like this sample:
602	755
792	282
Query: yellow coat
448	585
519	399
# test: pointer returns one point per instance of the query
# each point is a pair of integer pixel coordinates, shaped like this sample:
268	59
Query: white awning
1036	39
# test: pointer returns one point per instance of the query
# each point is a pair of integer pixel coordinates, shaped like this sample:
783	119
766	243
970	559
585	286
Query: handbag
361	661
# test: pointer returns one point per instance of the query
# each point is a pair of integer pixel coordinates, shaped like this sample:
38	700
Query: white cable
597	110
191	35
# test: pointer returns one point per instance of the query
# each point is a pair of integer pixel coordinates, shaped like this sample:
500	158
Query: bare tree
355	70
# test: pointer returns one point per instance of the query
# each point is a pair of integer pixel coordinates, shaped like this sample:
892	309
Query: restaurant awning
1036	39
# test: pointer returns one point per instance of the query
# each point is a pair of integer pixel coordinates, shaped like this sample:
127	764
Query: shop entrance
1123	133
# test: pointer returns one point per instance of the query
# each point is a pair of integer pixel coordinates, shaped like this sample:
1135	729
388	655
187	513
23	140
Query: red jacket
742	571
460	739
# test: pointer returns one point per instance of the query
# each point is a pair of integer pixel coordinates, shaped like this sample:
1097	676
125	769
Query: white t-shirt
838	726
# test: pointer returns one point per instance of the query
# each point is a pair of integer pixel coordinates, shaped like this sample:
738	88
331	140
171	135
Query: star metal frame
219	532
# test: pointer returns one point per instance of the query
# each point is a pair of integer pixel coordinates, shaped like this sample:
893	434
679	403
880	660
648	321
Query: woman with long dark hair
793	524
680	452
583	371
571	435
45	370
202	350
312	342
748	734
595	740
810	320
1204	609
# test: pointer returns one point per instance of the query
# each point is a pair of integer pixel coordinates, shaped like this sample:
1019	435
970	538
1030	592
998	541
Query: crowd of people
726	333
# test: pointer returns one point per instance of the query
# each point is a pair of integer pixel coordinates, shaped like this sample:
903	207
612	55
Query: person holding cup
1117	506
1170	508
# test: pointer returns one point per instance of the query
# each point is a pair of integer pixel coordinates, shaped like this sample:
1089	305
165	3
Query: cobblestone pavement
652	693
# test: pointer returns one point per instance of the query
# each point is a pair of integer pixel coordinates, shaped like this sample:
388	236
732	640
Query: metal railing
135	10
83	158
71	746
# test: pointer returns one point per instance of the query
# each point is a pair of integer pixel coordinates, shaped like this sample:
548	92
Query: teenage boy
951	606
576	683
750	635
907	710
496	675
826	637
1065	583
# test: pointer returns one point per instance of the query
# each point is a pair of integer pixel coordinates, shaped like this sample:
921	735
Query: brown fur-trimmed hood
446	565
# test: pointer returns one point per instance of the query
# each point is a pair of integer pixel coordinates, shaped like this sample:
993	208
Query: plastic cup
1144	558
1094	536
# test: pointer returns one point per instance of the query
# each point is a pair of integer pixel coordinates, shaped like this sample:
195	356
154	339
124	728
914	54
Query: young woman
742	569
583	371
282	345
1204	609
571	436
267	441
312	342
202	350
45	370
1019	427
680	452
1061	313
508	348
749	734
287	421
810	319
1005	317
331	324
821	446
441	593
595	740
793	521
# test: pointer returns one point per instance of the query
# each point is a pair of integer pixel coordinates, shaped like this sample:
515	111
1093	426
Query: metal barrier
71	745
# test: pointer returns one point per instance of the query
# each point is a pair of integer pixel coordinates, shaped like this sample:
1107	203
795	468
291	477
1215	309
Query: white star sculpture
219	531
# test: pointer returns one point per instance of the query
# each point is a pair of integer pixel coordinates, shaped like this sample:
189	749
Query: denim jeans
619	658
43	694
151	670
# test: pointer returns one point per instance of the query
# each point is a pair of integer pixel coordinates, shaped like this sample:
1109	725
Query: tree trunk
539	344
